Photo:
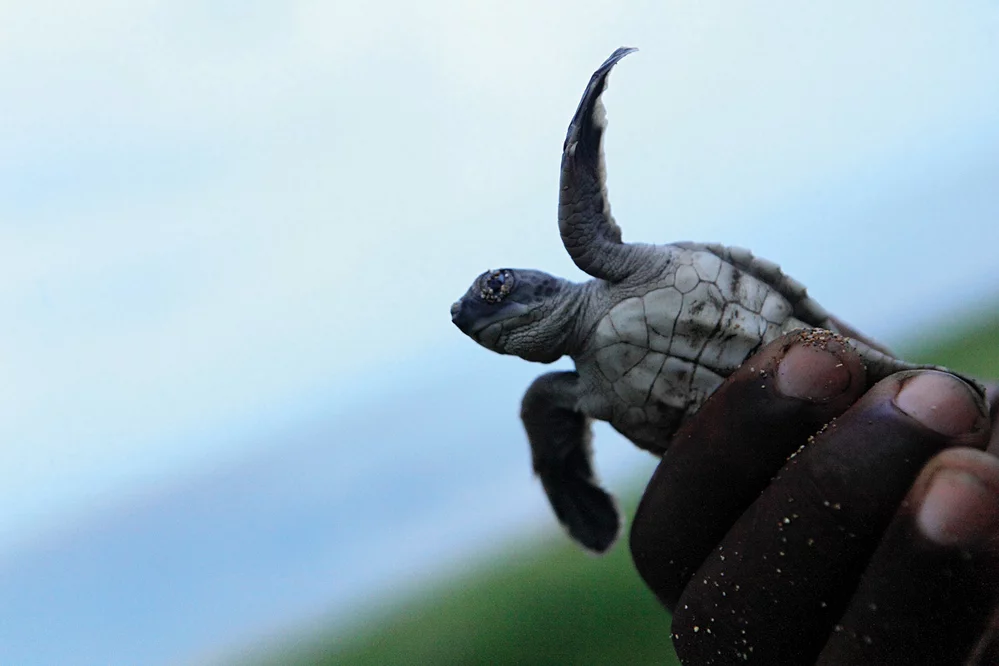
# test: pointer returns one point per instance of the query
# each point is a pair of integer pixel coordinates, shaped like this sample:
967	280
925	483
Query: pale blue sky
215	218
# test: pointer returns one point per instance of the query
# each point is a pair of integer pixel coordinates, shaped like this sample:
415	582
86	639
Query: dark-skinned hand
874	541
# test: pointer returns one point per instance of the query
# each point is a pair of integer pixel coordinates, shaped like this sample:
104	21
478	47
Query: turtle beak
471	317
460	318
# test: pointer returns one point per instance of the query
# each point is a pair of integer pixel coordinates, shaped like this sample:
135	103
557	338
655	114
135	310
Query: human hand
876	541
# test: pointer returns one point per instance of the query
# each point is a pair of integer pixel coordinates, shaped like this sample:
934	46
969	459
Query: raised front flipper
563	460
589	233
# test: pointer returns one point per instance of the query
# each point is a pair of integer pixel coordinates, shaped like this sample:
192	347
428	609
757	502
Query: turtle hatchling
653	334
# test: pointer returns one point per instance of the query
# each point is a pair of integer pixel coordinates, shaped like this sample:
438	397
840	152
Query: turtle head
517	311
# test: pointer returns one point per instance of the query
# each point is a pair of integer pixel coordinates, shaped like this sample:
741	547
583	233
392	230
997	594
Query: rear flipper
563	459
880	364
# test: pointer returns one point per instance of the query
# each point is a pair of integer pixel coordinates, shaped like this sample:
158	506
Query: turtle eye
496	285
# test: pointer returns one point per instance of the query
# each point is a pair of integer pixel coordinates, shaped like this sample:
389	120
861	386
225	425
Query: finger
986	653
793	559
727	453
992	397
929	591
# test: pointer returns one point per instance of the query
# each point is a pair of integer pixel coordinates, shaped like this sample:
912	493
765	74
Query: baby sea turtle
653	334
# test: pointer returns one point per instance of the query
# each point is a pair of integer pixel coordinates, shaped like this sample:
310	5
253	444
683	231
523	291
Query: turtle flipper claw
560	450
584	129
588	513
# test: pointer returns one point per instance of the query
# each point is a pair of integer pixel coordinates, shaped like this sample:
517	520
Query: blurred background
236	423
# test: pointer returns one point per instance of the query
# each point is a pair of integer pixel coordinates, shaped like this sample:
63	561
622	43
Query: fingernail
958	509
812	373
941	402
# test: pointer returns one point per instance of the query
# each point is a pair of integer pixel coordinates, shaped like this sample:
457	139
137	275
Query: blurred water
332	518
381	482
225	230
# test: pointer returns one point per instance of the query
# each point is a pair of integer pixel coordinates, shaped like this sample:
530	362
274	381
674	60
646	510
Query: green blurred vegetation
553	604
971	346
548	606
